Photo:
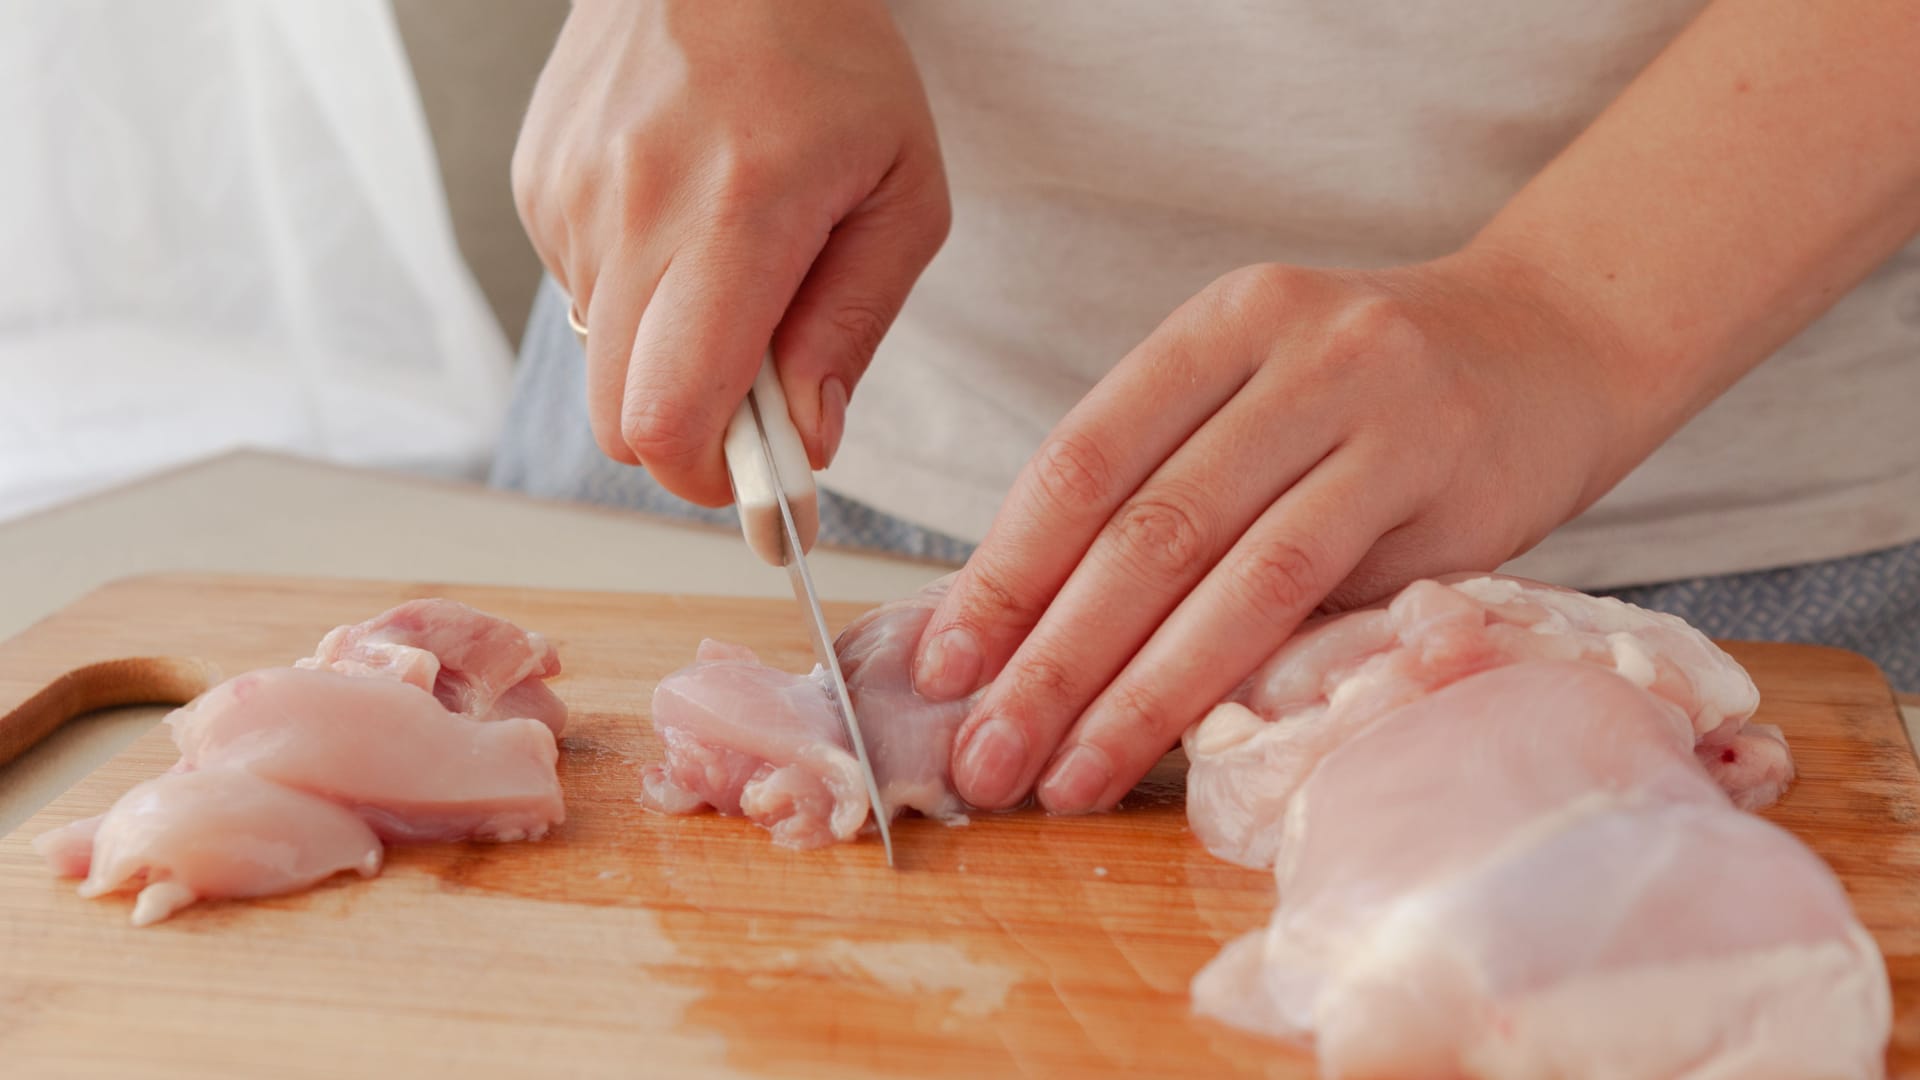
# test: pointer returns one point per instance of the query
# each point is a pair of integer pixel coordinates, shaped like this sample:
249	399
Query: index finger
1103	450
1293	555
694	356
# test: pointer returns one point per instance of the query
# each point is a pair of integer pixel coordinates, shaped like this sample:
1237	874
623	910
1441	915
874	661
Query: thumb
846	304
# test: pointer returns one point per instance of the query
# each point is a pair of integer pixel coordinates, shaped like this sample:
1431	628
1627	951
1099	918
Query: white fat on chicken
211	834
1341	673
385	749
1566	893
744	738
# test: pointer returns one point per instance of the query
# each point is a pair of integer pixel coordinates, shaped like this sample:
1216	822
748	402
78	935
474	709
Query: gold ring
579	324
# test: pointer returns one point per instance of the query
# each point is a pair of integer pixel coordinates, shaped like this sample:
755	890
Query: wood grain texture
630	944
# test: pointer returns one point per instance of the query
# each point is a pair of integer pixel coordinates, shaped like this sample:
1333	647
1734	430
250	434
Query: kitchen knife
780	514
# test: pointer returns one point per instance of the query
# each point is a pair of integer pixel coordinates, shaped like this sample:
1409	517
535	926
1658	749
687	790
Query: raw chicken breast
385	749
909	739
476	664
745	738
431	721
210	834
68	848
1569	895
1341	673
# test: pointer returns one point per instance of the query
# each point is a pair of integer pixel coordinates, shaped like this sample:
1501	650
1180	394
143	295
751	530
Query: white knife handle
753	482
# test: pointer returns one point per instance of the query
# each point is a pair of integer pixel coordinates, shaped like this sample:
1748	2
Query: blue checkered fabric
1869	603
548	450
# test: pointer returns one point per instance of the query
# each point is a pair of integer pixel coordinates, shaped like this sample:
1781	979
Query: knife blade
768	468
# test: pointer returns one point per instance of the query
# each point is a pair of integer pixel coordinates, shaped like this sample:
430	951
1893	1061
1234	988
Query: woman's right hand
708	178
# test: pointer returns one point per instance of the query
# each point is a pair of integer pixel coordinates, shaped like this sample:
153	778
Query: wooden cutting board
629	944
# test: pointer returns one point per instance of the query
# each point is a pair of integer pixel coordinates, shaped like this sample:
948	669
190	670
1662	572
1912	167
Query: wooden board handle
142	680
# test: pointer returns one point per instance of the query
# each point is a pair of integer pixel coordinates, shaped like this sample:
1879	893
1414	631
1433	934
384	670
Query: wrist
1549	313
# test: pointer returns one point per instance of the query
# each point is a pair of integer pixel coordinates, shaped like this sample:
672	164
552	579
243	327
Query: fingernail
833	417
988	772
1076	782
949	667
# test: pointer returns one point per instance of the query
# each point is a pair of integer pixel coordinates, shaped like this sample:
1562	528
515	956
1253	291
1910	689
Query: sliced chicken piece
476	664
385	749
1568	893
210	834
1343	672
909	739
745	738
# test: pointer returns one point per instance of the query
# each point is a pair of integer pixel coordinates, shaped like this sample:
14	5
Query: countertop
262	513
250	512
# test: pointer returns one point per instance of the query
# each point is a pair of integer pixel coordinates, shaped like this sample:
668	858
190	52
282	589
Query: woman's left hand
1287	440
1291	438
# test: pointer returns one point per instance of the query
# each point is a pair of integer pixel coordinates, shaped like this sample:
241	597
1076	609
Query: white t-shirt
1110	158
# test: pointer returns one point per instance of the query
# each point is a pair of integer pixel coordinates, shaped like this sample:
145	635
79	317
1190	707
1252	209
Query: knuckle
1133	715
659	431
1046	678
1374	328
992	602
617	180
1164	533
1260	289
861	324
932	219
540	204
742	177
1072	471
629	155
1281	580
522	179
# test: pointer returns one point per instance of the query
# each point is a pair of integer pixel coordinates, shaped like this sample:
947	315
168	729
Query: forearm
1756	171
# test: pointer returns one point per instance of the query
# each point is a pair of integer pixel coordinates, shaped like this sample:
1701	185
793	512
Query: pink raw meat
385	749
287	775
210	834
1754	766
476	664
745	738
1341	673
909	739
1528	874
68	848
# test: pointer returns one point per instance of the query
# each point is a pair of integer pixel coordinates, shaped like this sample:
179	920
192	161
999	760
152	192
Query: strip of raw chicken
377	736
745	738
209	835
1341	673
476	664
1569	895
384	748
